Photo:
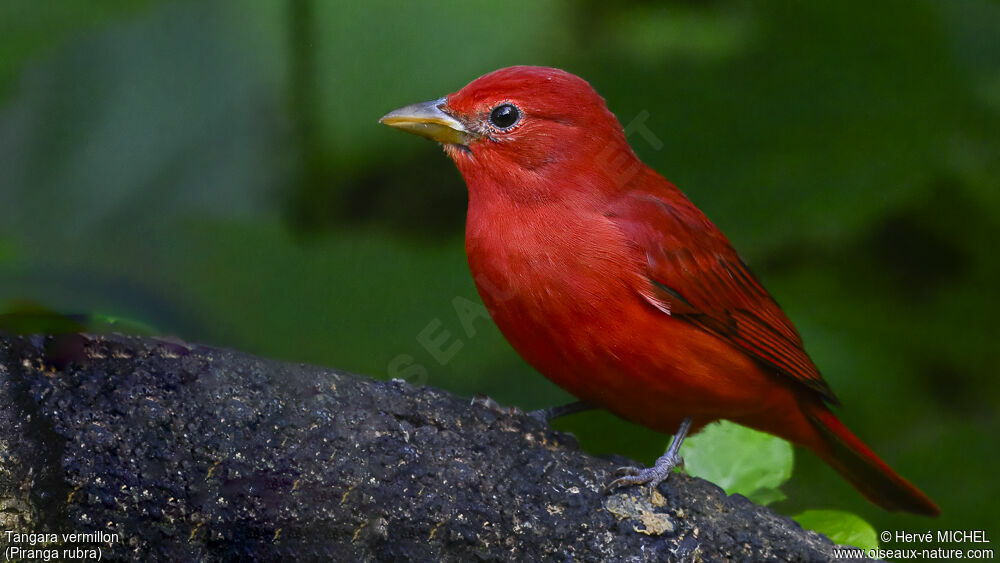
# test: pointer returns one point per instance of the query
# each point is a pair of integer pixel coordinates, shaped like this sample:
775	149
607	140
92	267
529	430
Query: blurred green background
215	169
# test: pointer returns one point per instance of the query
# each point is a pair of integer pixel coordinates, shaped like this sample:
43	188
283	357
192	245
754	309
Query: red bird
612	284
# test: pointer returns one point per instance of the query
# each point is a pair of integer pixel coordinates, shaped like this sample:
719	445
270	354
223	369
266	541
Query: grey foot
655	475
651	476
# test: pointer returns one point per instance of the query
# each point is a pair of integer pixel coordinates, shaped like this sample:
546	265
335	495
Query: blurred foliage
215	169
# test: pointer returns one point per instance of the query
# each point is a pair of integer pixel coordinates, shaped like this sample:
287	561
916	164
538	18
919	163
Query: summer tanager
612	284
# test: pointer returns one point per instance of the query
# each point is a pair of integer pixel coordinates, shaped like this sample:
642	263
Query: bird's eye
505	116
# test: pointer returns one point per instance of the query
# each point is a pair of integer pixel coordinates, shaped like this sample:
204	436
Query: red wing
698	277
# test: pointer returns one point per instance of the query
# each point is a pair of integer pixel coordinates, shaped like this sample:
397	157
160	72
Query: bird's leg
546	415
653	476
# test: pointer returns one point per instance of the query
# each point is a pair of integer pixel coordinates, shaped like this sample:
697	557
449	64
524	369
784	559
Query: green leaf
740	460
841	527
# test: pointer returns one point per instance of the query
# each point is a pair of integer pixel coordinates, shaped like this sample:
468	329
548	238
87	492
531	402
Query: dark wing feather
697	276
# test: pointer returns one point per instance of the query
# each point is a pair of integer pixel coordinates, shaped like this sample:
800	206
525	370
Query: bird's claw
490	403
651	476
626	470
485	401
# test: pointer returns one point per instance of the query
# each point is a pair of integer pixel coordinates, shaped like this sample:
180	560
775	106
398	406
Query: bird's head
517	124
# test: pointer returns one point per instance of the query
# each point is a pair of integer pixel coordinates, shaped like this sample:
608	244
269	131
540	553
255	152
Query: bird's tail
862	468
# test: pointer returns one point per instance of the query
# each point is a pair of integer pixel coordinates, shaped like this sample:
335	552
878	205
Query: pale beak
427	119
